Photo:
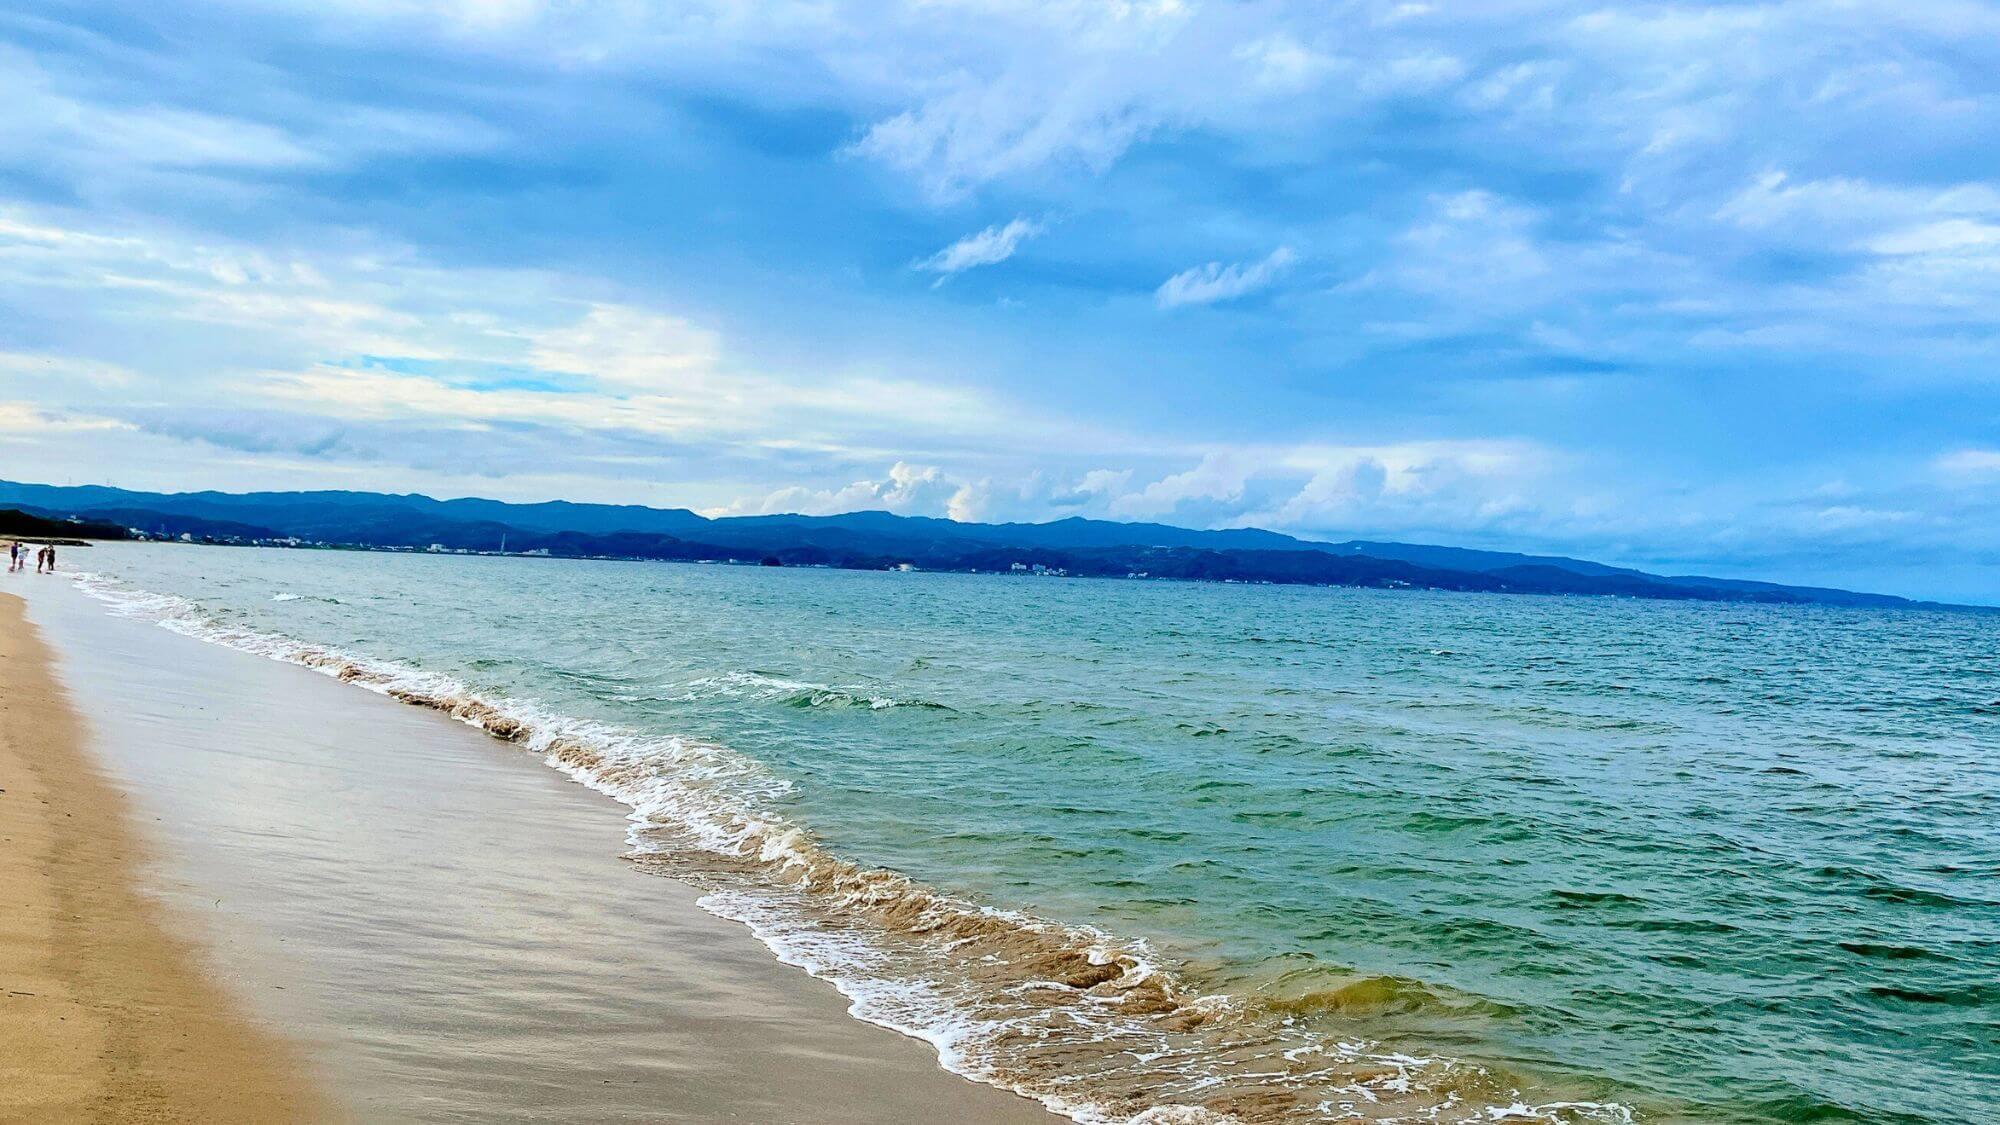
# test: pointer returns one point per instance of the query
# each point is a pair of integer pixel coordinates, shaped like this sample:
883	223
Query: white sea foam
1089	1024
805	693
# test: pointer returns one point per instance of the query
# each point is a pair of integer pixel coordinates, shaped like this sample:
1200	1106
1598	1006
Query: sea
1179	852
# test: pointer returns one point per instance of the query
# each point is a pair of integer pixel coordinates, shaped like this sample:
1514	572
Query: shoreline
107	1012
342	857
957	978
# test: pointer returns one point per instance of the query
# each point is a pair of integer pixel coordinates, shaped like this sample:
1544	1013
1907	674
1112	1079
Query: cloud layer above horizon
1706	287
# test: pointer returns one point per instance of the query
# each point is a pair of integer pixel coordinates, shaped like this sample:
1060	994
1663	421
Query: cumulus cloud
1219	478
1469	484
1316	488
907	490
987	247
928	490
1208	284
1041	495
1311	489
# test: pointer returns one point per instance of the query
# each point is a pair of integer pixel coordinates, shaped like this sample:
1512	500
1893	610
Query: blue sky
1702	287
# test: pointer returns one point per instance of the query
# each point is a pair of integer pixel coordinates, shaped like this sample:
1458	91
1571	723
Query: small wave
793	693
1565	898
1876	887
1092	1025
1971	996
1880	951
1916	896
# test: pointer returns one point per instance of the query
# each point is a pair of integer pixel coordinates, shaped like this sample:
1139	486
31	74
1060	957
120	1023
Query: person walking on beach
14	556
47	557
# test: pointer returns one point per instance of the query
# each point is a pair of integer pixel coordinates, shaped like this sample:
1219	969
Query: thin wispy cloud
988	247
1971	462
1214	282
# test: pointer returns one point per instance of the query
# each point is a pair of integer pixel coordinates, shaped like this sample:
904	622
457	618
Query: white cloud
626	345
1324	488
108	145
1948	236
927	490
41	368
907	490
1473	246
28	418
1208	284
1041	495
1309	488
1219	479
156	319
1970	462
1464	483
1413	74
995	244
1845	212
1281	62
962	93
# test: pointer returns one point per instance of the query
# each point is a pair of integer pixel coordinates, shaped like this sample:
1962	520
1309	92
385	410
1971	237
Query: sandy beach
440	926
106	1014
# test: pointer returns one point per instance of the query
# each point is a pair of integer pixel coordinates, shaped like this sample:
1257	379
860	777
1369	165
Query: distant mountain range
869	540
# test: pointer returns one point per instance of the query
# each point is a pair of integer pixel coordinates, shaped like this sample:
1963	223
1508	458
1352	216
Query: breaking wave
796	693
1094	1026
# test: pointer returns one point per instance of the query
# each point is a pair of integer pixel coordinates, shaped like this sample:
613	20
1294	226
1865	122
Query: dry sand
104	1015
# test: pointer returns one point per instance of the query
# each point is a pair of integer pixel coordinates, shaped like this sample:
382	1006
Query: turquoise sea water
1679	861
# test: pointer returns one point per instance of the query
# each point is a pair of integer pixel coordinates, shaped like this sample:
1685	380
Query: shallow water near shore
1262	852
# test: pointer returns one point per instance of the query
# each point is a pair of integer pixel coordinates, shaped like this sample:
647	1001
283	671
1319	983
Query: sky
1707	288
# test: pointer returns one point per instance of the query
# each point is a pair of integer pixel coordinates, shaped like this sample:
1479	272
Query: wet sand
104	1014
443	924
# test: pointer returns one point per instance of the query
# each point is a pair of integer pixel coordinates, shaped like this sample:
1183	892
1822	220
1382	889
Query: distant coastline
1075	547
